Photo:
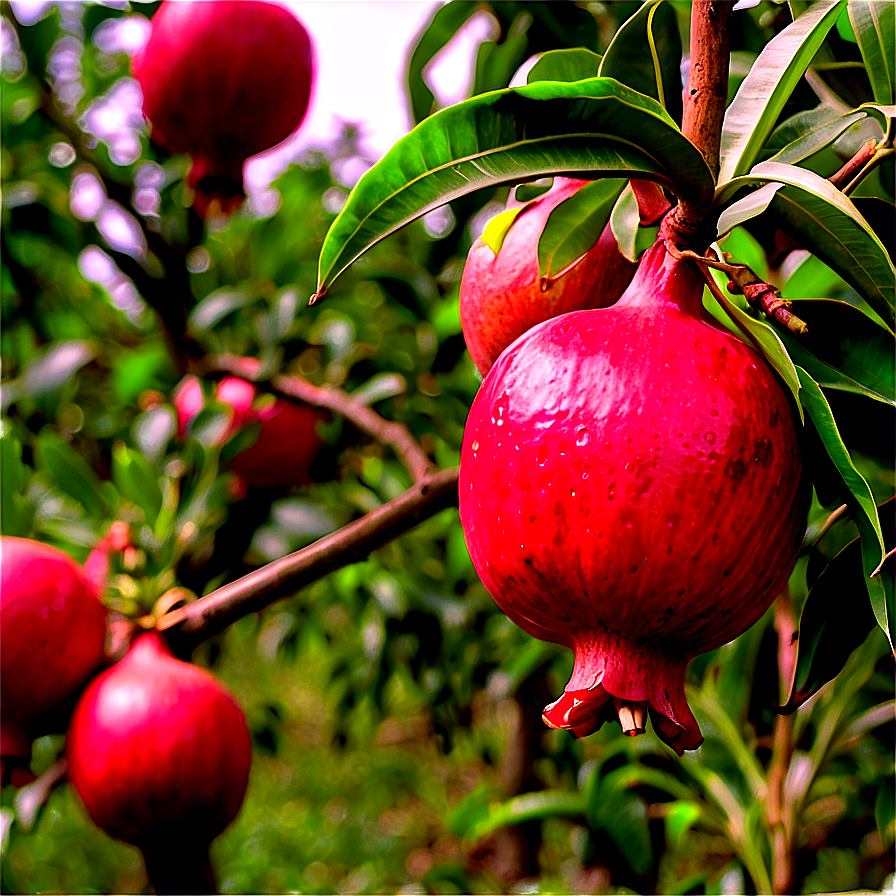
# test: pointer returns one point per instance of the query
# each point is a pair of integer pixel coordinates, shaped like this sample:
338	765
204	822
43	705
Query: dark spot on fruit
528	560
762	452
736	470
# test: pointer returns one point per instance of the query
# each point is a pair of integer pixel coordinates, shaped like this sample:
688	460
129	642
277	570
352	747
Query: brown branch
386	432
190	625
704	111
31	798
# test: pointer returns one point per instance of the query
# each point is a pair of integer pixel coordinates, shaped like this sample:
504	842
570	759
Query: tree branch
386	432
193	623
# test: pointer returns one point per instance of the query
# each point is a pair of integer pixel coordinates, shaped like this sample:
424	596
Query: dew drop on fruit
583	436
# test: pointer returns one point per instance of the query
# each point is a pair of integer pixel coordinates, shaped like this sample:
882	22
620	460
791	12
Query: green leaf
15	514
873	24
764	337
807	132
830	627
573	64
528	807
447	21
645	54
762	95
495	231
812	211
844	349
136	480
596	128
858	497
211	310
750	206
624	222
71	474
576	224
623	815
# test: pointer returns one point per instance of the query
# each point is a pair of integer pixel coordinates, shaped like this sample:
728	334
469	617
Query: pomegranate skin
158	750
501	296
52	637
631	487
287	442
223	80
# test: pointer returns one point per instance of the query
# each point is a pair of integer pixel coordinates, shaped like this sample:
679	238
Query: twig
193	623
32	797
386	432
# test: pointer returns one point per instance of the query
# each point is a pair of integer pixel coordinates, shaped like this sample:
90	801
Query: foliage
394	711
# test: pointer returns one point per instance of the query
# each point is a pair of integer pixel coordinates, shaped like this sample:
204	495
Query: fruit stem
179	868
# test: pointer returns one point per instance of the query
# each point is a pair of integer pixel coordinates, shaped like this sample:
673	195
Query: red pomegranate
287	442
52	637
158	750
631	487
223	80
502	296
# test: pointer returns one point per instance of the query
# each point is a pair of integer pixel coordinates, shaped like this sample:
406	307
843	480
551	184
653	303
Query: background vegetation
395	712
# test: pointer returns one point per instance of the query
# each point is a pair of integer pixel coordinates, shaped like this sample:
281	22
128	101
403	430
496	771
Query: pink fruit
631	487
502	296
223	80
53	637
158	750
287	442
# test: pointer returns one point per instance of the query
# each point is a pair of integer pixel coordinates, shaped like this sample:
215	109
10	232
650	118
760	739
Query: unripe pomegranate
158	750
223	80
631	487
53	637
287	443
502	296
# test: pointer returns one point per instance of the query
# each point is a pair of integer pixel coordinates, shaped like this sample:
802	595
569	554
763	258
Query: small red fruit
502	296
53	637
223	80
631	487
287	442
158	750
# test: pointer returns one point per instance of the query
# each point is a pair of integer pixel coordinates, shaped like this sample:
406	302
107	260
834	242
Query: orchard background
394	711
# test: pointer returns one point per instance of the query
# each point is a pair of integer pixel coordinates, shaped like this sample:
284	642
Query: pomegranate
631	487
158	750
287	443
502	296
223	80
53	637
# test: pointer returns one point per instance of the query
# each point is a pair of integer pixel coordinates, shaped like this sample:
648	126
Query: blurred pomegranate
52	637
287	442
223	80
631	487
502	296
158	750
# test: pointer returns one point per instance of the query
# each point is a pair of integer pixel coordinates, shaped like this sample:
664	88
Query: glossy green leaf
71	473
645	54
761	97
873	25
575	225
764	337
830	627
573	64
448	19
817	214
808	132
858	493
844	349
596	127
15	514
750	206
624	222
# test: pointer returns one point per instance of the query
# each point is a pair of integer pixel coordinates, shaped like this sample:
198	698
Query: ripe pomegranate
631	487
287	443
502	296
223	80
52	637
158	750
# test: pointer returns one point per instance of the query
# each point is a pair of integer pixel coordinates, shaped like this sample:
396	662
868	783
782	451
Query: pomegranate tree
223	80
287	441
159	753
631	487
53	637
502	295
